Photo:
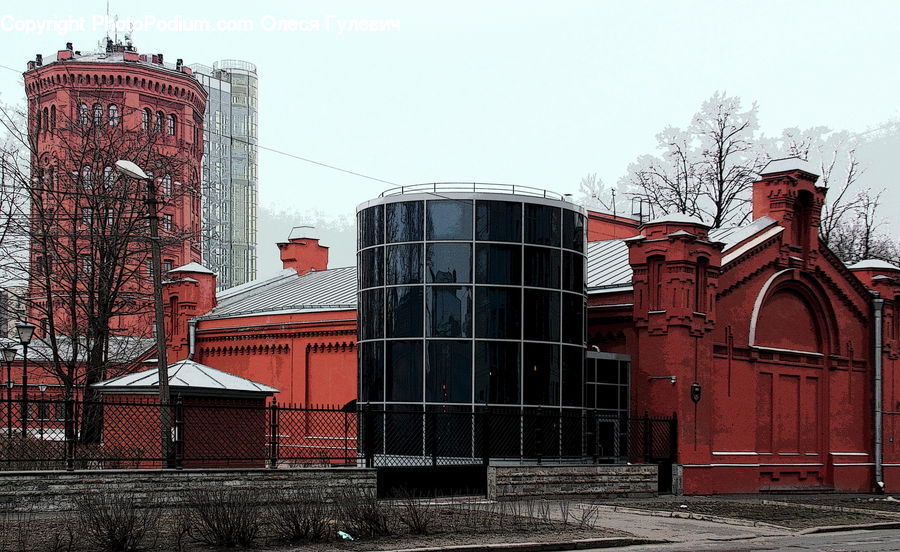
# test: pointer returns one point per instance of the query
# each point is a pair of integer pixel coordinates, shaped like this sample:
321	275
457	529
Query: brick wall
611	480
56	491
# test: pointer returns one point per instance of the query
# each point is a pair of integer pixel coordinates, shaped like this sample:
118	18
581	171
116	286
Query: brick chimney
787	192
303	255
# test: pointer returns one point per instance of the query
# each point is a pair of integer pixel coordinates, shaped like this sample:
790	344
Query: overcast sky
533	93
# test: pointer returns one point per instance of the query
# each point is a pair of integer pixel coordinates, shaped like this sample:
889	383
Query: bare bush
416	513
586	516
363	514
224	517
113	522
302	517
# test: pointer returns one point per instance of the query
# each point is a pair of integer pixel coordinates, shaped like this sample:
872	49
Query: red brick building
779	362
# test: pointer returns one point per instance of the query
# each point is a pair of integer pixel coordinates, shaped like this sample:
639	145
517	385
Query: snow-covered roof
288	292
873	264
187	375
192	267
788	164
680	218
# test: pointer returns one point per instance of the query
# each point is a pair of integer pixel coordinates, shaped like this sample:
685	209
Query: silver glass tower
229	170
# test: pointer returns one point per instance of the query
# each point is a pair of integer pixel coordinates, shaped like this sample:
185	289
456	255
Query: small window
145	119
46	119
170	129
113	115
159	121
167	222
82	114
87	216
52	117
98	114
166	266
86	263
167	185
654	281
87	177
700	304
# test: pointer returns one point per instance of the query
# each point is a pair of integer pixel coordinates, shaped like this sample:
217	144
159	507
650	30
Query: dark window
449	263
404	312
448	372
498	221
371	314
573	230
700	303
498	264
370	226
654	281
542	267
540	369
403	264
541	315
449	219
404	221
496	372
371	367
371	267
403	371
572	388
573	318
498	313
541	224
573	272
449	311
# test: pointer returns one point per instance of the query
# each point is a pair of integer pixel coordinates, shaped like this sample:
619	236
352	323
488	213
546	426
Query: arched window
159	121
82	114
98	114
170	129
87	177
113	115
38	117
802	219
700	304
52	117
46	120
167	185
145	119
108	176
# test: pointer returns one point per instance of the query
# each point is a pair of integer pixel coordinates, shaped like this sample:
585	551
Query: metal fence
203	433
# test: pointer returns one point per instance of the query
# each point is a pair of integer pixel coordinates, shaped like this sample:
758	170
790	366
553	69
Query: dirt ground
753	509
878	503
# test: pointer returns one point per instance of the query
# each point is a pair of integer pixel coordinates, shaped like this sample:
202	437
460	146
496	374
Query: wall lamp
670	378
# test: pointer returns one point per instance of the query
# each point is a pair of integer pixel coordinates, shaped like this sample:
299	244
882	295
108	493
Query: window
371	361
403	371
113	115
98	114
52	117
149	267
498	264
370	226
498	221
449	220
110	218
158	127
542	225
82	114
166	266
498	313
449	311
542	267
145	119
404	221
87	216
654	281
108	176
45	120
497	377
87	177
404	264
448	372
167	185
86	263
371	267
449	263
700	304
540	369
170	128
541	315
404	308
371	309
167	222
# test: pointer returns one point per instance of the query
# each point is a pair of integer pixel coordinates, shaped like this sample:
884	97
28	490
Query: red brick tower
89	230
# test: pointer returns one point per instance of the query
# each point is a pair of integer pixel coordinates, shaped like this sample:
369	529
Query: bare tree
86	229
861	235
706	171
593	194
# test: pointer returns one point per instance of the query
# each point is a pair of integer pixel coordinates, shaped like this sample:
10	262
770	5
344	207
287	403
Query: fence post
673	438
273	434
368	436
485	437
178	441
648	429
539	433
69	431
431	434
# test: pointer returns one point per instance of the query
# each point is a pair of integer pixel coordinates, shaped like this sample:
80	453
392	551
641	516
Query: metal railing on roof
474	187
239	64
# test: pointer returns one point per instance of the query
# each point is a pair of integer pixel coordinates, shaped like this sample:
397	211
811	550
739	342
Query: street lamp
131	170
42	408
25	331
9	355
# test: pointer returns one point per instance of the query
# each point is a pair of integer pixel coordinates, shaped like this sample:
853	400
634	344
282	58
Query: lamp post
9	355
42	408
25	331
131	170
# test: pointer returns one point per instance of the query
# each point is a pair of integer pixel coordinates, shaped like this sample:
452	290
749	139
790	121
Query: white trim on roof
751	244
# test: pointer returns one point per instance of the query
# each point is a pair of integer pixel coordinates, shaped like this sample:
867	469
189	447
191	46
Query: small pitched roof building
779	362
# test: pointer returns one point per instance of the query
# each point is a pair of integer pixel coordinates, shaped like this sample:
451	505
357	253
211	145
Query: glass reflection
403	264
573	272
498	264
496	372
371	362
542	267
572	390
449	219
370	226
371	314
498	312
449	311
573	318
371	267
498	221
573	230
404	221
449	263
448	372
540	369
542	224
403	371
404	312
541	315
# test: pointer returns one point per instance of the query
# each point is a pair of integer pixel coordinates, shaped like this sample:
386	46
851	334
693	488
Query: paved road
850	541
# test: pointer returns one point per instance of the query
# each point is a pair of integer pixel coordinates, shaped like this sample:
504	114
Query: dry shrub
224	517
363	515
112	522
305	516
415	512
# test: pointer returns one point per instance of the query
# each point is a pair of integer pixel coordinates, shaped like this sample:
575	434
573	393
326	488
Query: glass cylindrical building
471	299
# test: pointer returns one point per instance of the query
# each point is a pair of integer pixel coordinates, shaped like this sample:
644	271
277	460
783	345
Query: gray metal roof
788	164
186	374
607	264
333	289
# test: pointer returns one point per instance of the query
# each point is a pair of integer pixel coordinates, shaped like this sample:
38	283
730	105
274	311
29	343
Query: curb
860	527
578	544
844	509
691	515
